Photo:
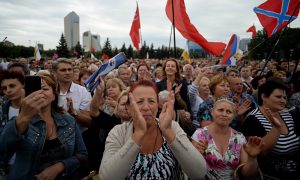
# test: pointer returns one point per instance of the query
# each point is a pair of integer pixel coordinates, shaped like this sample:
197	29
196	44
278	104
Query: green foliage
107	48
289	42
62	48
77	49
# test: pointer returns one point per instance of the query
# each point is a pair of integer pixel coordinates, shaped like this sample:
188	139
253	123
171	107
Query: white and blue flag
92	82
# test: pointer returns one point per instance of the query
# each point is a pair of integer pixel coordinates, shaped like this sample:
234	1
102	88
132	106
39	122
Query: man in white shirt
73	98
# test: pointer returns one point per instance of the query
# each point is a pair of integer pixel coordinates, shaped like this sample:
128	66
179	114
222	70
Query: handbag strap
240	166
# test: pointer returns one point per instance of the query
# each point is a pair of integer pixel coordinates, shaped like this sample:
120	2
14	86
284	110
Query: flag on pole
93	57
186	55
274	15
135	29
252	29
37	55
105	56
105	68
231	50
188	30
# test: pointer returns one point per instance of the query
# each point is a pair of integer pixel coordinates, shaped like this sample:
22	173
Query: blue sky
25	22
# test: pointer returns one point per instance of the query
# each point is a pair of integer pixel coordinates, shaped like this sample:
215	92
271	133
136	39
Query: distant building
244	44
90	41
71	22
195	48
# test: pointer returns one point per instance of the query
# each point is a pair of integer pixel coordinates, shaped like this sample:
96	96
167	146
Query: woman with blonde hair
113	89
219	87
224	148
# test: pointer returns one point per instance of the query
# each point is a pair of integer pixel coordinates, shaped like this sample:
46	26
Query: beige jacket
121	151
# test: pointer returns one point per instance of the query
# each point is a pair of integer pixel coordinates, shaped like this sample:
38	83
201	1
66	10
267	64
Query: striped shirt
283	159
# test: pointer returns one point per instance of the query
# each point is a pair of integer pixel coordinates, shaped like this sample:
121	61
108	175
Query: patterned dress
221	166
159	165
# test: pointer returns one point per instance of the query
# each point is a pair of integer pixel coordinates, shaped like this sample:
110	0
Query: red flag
188	30
274	15
135	29
253	30
105	56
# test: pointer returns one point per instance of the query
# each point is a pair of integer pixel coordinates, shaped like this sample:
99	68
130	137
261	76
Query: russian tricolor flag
231	49
109	65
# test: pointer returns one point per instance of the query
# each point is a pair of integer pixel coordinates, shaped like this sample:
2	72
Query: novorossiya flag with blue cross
276	14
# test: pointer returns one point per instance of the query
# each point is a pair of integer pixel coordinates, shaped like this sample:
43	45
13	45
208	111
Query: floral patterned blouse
221	166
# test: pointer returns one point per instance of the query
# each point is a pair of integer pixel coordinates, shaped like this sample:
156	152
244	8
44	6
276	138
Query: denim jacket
29	146
4	114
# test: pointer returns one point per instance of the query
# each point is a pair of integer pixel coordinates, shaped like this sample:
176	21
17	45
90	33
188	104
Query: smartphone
32	84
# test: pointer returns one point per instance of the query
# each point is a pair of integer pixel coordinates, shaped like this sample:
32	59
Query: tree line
288	48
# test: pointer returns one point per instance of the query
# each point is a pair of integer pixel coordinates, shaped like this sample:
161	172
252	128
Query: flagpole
140	30
281	33
174	28
170	39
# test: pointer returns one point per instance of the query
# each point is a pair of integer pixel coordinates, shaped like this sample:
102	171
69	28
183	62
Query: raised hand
254	146
70	106
201	146
275	121
139	122
100	88
30	106
244	107
111	102
165	117
177	88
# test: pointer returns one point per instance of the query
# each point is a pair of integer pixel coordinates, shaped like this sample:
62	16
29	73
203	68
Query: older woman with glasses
224	148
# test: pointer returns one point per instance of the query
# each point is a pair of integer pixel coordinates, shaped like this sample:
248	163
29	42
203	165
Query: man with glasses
73	98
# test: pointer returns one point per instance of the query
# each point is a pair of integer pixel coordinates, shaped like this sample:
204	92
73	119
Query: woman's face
204	87
48	92
222	89
113	91
142	71
170	68
223	113
146	99
12	88
83	79
261	81
122	109
276	101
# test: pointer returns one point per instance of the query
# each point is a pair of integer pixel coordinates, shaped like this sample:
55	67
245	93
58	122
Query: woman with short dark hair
279	158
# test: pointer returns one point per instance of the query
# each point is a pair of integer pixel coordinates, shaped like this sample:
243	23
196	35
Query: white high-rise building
244	44
90	41
71	22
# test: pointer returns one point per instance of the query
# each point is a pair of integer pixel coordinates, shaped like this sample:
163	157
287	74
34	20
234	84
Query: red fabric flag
275	14
188	30
105	56
252	29
135	29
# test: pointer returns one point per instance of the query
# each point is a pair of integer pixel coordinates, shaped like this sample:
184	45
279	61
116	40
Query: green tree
130	52
115	51
123	49
107	48
78	51
288	43
62	48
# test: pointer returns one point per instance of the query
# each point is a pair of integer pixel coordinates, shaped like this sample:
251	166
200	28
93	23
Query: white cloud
28	21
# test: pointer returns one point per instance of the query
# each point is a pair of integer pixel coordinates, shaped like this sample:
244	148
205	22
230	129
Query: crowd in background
150	119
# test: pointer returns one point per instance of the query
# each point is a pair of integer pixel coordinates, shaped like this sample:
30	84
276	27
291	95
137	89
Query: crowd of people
150	119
